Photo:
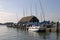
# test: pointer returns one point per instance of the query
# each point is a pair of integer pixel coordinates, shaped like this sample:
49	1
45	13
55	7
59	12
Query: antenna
42	10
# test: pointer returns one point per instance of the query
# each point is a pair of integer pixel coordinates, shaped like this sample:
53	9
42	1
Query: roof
27	19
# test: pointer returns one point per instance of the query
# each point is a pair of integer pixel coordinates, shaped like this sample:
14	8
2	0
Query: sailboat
37	28
33	27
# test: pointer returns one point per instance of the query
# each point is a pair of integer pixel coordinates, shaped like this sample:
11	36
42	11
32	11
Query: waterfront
7	33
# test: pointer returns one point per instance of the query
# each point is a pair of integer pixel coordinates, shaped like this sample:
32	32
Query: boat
37	28
34	28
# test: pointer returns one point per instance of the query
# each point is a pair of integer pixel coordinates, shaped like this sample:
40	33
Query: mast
36	9
31	9
42	11
26	12
17	16
23	13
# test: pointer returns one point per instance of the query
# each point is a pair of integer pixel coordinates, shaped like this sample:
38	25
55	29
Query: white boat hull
34	28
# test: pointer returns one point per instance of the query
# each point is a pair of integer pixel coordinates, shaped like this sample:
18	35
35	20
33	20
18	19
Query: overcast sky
12	10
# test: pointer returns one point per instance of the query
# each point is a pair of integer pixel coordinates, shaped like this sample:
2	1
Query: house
26	20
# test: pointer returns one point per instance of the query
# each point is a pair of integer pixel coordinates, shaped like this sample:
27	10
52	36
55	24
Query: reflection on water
18	34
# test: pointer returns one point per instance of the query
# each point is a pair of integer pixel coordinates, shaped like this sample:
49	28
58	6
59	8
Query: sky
14	10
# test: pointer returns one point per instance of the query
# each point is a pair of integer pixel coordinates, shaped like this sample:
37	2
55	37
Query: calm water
17	34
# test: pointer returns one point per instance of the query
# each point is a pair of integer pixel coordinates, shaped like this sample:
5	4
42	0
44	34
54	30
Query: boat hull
34	28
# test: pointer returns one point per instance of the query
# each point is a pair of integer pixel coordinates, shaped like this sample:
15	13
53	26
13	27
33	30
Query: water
17	34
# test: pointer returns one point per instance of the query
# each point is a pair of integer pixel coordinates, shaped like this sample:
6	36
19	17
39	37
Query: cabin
26	20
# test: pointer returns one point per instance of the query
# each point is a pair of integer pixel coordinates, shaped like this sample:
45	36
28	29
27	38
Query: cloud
7	17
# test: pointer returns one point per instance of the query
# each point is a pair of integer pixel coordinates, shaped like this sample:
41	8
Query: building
28	19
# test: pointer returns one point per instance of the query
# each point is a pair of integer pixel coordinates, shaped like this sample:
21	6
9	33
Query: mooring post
57	29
